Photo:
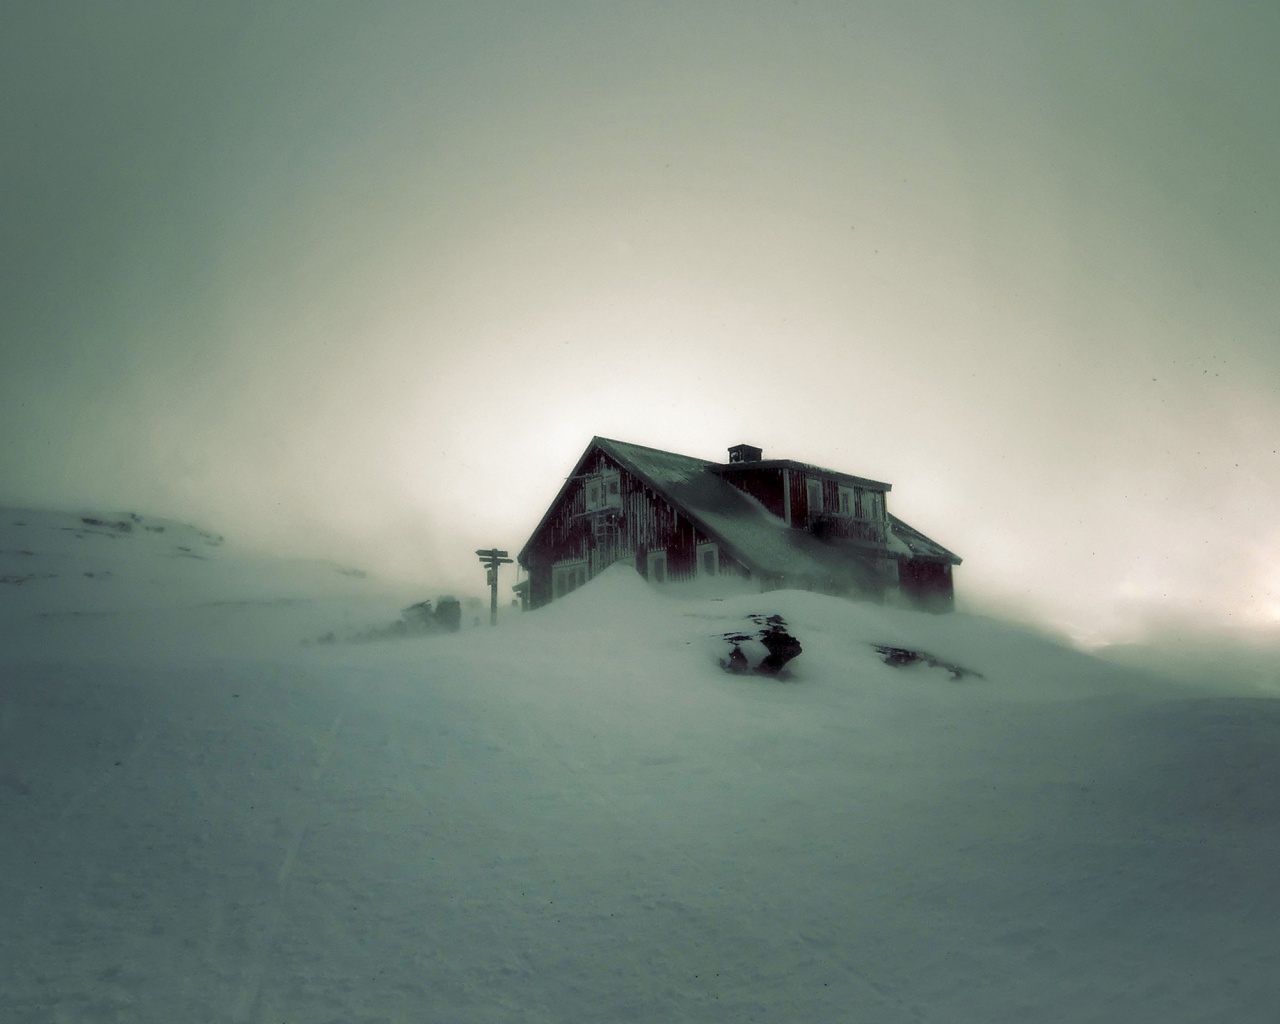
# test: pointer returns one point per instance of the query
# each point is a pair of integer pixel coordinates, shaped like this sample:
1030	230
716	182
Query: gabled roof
740	524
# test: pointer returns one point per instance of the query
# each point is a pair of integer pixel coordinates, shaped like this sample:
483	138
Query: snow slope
98	583
578	817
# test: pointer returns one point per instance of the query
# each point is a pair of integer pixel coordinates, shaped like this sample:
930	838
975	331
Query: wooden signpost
491	559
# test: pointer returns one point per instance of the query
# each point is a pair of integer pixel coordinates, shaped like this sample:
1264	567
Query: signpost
491	559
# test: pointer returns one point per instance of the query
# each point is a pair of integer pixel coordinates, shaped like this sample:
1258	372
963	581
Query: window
657	567
567	578
708	560
815	496
861	503
604	491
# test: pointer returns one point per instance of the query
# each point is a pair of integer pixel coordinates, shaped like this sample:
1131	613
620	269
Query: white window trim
611	490
702	550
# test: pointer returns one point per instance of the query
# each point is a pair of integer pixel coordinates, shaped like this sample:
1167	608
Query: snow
577	816
738	521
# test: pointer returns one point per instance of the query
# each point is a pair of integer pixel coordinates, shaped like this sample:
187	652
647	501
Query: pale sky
363	279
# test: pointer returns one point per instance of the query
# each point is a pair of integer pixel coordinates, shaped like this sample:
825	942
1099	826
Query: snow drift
579	816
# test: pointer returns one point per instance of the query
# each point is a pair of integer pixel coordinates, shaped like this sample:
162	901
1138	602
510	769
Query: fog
362	281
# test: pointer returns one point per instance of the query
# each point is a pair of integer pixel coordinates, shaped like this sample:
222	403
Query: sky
362	280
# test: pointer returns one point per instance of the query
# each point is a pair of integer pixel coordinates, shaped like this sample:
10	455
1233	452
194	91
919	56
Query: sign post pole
491	558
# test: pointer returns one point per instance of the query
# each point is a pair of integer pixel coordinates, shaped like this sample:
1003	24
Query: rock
771	635
900	657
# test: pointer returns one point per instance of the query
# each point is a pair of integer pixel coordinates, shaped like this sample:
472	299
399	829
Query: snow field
578	816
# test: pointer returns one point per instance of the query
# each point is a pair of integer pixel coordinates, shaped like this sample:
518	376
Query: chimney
744	453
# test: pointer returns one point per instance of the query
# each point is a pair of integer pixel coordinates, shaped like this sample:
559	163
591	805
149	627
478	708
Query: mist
362	282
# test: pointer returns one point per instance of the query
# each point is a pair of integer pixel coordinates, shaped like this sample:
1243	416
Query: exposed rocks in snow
449	613
772	636
122	526
418	619
86	526
900	657
17	579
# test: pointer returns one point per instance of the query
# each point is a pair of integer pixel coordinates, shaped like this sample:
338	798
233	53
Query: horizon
363	285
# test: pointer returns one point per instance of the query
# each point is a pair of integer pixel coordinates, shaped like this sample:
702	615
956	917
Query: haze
362	280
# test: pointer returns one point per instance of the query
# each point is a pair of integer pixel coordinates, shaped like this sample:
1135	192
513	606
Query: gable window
604	490
708	560
657	567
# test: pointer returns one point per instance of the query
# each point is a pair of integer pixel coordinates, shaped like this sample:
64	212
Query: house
774	521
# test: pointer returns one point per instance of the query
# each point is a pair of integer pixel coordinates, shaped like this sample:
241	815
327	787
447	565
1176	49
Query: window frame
602	490
700	552
568	577
813	485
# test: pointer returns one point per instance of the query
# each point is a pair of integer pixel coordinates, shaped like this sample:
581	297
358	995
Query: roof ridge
648	448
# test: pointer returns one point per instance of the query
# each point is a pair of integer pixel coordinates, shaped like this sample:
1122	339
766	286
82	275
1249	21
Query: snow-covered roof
743	526
907	541
808	469
739	523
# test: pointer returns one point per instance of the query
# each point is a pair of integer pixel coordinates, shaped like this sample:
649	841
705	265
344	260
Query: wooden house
777	522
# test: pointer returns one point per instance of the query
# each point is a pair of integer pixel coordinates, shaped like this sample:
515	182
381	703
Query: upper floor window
860	503
815	495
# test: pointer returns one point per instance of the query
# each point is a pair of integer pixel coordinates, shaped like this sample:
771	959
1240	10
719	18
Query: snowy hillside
578	816
96	583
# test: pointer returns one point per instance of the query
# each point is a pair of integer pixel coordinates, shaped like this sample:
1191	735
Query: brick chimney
744	453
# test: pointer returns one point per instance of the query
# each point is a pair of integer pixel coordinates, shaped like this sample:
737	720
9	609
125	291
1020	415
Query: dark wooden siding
927	584
643	522
799	498
833	527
